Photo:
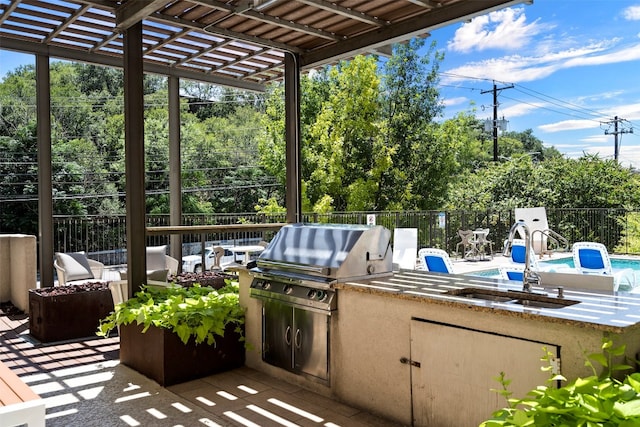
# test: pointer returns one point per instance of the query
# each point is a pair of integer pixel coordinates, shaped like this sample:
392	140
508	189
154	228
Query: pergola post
45	193
293	192
134	158
175	168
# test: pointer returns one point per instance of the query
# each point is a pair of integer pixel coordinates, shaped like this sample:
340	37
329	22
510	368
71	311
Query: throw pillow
75	265
156	257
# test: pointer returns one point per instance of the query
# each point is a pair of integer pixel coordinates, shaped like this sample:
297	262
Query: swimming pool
616	264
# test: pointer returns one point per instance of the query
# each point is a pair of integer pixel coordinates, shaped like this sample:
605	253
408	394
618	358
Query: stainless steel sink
545	303
525	299
480	293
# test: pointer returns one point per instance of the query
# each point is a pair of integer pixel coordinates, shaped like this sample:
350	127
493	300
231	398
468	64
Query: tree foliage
587	182
411	104
372	138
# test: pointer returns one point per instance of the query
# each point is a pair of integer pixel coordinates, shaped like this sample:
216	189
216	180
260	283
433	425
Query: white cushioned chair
76	268
159	265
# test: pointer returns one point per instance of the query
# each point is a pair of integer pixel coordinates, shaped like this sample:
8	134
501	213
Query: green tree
18	181
411	102
464	135
315	89
344	150
530	144
80	180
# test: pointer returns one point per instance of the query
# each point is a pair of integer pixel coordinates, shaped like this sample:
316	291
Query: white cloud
521	109
520	68
505	29
595	97
632	13
565	125
629	111
460	100
596	139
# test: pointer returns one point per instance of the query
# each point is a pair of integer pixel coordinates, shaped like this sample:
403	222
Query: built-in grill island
294	279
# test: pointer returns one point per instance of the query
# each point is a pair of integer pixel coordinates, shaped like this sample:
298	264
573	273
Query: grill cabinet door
277	336
310	343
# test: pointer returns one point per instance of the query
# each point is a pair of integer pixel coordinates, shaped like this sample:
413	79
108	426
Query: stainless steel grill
318	255
294	277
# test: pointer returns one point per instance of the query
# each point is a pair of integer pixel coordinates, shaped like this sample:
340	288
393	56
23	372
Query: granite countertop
603	310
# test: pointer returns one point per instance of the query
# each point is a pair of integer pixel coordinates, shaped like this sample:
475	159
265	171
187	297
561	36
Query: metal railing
105	237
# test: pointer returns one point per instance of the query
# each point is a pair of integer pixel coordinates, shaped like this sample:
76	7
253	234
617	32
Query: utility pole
495	91
616	131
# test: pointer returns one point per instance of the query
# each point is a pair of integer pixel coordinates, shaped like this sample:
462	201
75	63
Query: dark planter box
160	354
67	317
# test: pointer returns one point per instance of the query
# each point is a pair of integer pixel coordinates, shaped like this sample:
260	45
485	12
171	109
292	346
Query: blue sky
574	64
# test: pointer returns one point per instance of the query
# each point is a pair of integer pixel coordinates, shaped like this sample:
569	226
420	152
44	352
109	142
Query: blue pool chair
593	258
514	273
435	260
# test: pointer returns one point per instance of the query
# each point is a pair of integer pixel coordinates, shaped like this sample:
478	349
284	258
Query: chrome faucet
529	277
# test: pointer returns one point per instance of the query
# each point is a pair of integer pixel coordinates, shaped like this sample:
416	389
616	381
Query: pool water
616	264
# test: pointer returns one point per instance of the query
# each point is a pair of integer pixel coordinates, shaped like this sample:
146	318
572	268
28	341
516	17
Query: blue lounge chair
435	260
515	270
593	258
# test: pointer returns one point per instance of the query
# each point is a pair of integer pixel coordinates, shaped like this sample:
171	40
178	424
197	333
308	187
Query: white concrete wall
18	268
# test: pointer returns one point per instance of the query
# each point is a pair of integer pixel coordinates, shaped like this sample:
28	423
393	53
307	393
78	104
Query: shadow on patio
83	384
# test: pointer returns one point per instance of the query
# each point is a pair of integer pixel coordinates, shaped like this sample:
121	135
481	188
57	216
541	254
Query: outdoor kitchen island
383	328
423	348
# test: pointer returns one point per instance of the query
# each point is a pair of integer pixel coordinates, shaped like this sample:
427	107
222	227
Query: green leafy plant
197	311
597	400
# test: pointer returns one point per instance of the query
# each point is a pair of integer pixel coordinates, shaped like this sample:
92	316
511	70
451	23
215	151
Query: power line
585	113
542	107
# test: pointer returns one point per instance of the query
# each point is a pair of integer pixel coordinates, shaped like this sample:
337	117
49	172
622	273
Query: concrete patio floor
83	384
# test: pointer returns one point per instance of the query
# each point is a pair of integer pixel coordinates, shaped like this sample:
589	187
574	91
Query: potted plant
175	334
60	313
597	400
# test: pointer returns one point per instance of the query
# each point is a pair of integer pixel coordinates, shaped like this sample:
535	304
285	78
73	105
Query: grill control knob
287	289
311	294
321	295
266	285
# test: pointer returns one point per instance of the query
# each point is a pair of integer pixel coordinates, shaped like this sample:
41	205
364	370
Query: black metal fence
105	237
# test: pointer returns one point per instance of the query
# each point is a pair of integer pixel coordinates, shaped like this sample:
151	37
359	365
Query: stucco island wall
371	334
374	332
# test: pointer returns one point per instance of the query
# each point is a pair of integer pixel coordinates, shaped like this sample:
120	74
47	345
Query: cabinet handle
407	361
287	335
298	338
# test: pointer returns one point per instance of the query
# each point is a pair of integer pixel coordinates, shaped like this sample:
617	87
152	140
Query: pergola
238	43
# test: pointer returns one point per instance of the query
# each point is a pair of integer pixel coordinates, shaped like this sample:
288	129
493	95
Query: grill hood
334	252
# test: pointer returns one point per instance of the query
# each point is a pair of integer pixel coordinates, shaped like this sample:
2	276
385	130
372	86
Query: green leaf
198	312
628	409
600	358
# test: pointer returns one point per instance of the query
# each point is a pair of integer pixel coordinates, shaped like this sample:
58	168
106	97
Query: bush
597	400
